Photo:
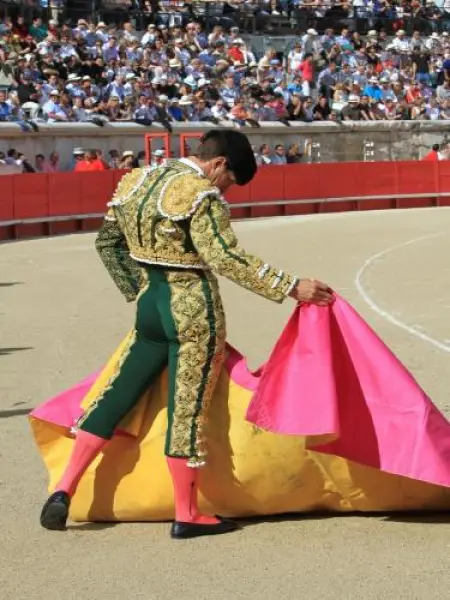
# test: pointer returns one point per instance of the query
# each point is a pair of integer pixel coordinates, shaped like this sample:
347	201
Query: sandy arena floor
61	317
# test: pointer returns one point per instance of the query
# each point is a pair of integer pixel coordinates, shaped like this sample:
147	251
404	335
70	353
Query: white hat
127	153
54	93
158	153
373	80
78	151
202	82
174	63
190	80
435	35
101	24
353	98
185	101
73	77
311	32
372	33
86	78
400	32
130	76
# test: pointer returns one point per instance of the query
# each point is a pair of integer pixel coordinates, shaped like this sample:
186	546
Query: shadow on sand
6	351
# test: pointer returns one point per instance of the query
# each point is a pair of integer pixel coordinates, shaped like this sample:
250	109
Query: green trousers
180	324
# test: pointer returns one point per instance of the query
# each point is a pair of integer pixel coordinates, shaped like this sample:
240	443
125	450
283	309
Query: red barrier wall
64	194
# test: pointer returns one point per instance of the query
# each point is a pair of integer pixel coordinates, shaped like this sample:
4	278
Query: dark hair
234	147
435	147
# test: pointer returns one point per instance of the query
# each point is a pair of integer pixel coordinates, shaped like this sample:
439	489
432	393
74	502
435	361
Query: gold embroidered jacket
172	216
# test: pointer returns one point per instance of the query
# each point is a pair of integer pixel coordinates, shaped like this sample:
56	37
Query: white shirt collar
192	165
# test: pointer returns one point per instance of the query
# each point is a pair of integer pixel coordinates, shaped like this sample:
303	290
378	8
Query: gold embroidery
216	243
149	209
200	322
129	185
153	237
182	193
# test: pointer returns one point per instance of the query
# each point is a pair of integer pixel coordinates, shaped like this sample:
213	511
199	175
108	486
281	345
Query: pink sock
185	485
86	448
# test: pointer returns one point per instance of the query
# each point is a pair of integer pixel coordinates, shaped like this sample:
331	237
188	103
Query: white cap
78	151
158	153
127	153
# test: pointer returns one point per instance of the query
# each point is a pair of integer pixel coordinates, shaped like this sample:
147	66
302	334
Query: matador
166	233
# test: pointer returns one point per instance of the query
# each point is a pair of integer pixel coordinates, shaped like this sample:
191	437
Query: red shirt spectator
433	154
413	93
306	69
90	163
236	54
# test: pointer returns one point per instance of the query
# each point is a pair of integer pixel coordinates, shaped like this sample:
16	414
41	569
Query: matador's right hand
312	291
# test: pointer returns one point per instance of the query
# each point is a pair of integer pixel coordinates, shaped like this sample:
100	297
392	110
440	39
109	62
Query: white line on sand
445	347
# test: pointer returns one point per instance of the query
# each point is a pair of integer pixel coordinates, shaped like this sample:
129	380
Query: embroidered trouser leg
180	324
195	328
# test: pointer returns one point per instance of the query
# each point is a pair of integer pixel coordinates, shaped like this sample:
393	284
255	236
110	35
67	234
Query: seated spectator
127	161
39	161
177	72
264	155
322	110
279	156
293	154
90	162
5	108
52	164
433	154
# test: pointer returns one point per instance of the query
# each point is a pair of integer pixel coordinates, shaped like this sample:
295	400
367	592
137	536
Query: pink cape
329	375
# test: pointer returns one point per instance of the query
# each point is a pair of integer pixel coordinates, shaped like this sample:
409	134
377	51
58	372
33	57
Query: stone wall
332	142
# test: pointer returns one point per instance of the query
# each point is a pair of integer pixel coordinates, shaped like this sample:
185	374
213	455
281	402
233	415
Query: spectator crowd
168	74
